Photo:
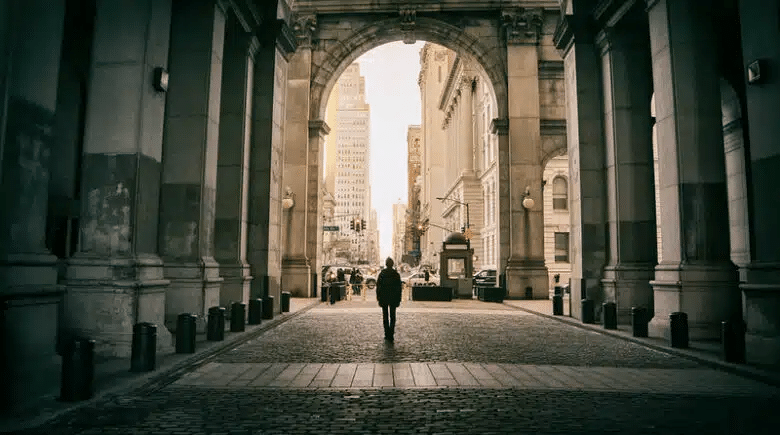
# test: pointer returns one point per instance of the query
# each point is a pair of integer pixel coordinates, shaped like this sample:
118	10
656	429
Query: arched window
560	194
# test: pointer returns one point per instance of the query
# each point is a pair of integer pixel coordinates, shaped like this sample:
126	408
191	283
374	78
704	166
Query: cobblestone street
457	367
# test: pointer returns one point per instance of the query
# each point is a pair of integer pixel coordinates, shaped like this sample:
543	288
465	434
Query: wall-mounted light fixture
528	202
288	200
756	72
160	79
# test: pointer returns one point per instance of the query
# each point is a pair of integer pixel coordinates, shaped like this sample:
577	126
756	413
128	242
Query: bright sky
391	89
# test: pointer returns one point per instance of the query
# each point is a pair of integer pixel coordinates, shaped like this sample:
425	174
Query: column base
105	297
236	284
296	274
761	312
195	287
520	275
628	285
707	293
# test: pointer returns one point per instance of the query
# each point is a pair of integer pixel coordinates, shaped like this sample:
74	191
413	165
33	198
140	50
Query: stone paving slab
473	375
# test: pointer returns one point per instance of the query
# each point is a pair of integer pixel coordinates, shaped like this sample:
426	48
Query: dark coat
388	288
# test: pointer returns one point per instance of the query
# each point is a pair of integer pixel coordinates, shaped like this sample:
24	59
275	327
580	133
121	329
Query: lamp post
461	203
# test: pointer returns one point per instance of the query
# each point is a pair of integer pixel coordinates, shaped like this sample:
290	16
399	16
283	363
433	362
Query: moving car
418	278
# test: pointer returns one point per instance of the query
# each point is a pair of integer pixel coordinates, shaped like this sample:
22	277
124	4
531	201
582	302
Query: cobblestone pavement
483	340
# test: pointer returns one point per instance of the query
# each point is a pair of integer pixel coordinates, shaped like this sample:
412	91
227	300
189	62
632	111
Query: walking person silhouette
388	294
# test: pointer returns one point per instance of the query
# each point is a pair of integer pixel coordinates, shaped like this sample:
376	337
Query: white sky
391	89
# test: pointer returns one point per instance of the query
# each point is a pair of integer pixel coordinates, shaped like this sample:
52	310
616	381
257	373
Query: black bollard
557	302
587	311
78	370
185	333
268	307
144	350
732	338
678	324
639	321
285	302
324	293
334	293
237	317
215	326
609	318
255	311
529	293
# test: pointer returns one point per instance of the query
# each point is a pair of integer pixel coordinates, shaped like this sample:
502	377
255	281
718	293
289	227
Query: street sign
330	228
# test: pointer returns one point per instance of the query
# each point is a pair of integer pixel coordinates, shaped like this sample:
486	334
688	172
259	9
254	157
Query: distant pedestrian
388	294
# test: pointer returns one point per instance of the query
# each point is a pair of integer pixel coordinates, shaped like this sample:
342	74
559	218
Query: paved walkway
455	367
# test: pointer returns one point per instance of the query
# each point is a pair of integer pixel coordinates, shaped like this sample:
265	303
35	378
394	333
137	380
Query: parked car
419	279
485	278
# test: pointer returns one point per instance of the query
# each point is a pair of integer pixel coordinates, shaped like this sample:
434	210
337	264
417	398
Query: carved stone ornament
304	27
408	23
523	26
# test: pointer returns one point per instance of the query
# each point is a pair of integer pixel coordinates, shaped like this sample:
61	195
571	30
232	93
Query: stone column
466	108
264	252
587	157
318	129
500	127
29	297
116	278
628	88
761	291
695	275
190	148
525	265
230	227
296	265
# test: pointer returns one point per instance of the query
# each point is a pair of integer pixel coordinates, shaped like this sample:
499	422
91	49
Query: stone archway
507	45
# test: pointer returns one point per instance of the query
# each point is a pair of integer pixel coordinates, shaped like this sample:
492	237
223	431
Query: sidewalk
704	352
113	377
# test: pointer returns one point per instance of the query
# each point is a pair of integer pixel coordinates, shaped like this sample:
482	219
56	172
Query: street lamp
461	203
528	202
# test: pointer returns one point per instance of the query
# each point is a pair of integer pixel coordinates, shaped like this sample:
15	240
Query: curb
752	373
154	380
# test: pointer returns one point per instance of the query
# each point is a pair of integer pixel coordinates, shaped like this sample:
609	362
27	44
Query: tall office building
352	153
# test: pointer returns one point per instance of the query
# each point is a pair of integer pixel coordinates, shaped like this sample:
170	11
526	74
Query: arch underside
335	55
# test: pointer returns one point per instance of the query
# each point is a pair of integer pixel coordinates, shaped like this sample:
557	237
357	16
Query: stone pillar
574	38
318	129
296	264
116	278
761	291
190	148
628	89
264	252
466	125
29	297
695	275
500	127
525	266
230	229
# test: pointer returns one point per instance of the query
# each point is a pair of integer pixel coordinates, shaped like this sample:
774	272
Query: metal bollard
215	327
639	321
324	293
678	323
237	317
78	370
185	333
609	319
255	311
587	311
285	302
268	307
557	302
144	350
732	338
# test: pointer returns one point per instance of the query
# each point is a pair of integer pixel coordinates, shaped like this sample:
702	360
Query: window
560	194
561	247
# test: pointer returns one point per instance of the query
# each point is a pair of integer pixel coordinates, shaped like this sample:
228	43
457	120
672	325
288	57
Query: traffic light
352	225
363	224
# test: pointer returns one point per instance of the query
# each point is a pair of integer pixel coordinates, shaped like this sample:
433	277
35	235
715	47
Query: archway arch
329	60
